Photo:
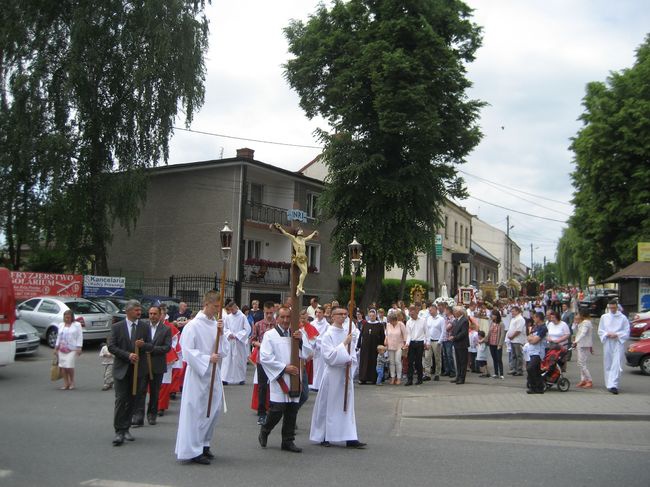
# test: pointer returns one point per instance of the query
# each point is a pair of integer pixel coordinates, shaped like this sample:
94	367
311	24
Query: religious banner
30	284
104	286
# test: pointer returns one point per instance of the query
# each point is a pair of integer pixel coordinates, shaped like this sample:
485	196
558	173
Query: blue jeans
448	358
380	375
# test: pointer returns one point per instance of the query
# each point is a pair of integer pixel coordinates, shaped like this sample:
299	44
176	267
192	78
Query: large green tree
109	77
612	158
389	78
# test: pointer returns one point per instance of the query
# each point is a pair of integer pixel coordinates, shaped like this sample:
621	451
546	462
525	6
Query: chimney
245	153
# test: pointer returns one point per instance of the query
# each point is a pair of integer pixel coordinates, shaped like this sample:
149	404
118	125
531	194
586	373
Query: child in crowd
482	354
473	342
107	361
382	363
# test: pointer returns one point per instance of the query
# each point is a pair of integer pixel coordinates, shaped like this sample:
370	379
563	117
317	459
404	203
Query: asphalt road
63	438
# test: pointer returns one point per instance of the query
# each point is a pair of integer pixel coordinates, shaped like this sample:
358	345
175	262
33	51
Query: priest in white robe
329	423
237	330
321	325
195	429
613	331
275	357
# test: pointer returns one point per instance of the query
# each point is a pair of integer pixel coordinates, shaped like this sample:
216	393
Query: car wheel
50	337
563	384
645	365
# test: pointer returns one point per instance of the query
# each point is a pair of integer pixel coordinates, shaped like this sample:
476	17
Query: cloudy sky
536	59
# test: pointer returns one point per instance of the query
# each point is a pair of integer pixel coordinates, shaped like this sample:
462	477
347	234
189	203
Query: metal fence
258	212
188	287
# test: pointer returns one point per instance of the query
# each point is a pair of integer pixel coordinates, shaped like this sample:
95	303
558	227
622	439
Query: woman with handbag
69	341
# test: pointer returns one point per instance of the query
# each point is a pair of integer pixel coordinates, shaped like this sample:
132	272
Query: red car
638	355
639	326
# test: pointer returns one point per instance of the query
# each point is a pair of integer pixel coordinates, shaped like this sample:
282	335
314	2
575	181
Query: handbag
55	370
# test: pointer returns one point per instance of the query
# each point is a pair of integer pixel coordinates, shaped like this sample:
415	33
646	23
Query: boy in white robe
321	325
275	357
195	429
236	329
329	423
613	330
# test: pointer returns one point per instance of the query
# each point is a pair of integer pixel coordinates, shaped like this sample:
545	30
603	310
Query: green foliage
46	260
389	290
612	154
96	85
389	77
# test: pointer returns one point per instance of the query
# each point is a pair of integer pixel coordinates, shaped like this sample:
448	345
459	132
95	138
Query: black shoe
613	390
418	382
207	453
118	440
201	460
224	383
137	423
263	438
426	378
436	378
127	436
161	412
242	383
408	383
355	444
290	446
325	444
172	395
459	382
453	381
261	420
151	420
452	376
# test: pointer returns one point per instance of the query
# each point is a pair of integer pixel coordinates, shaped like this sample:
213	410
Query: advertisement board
30	284
104	286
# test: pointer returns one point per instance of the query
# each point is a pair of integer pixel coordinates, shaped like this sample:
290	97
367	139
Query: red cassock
172	356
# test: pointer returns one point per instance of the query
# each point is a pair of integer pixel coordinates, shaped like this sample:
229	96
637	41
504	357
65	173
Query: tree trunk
402	285
372	288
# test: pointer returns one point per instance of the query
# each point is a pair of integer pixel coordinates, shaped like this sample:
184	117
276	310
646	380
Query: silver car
45	313
26	338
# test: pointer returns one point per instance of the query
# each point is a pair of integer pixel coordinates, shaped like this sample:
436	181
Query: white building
498	244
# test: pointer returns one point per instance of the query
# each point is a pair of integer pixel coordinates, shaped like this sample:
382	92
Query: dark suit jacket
161	343
460	332
121	346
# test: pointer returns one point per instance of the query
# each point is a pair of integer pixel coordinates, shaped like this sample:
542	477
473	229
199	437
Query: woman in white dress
69	342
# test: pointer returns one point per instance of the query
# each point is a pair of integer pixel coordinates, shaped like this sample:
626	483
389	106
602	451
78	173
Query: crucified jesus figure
299	256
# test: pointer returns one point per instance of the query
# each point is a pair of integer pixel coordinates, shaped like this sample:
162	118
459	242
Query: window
446	224
312	200
461	235
455	232
313	256
48	307
28	305
466	237
255	193
253	249
83	307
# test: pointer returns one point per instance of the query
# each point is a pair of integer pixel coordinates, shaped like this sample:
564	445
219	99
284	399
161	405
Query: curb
536	416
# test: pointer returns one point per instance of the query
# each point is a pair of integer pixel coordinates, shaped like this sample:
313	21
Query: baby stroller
552	369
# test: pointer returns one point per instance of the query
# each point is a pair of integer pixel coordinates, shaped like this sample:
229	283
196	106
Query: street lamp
226	242
355	259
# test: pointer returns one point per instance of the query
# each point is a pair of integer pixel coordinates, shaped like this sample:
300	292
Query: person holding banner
195	426
129	340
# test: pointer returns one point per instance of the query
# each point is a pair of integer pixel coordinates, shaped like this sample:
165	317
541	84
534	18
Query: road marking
5	473
117	483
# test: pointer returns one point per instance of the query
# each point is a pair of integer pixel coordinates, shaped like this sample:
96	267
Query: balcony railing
257	212
260	274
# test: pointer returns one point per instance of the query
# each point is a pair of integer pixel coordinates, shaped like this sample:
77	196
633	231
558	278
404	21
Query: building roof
477	249
310	163
638	270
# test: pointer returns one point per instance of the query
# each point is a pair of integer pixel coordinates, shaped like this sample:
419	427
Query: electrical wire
517	211
248	139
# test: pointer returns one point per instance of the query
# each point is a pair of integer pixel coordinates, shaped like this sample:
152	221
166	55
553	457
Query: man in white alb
236	329
613	330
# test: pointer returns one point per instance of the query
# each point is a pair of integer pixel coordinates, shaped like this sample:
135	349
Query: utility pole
508	250
531	259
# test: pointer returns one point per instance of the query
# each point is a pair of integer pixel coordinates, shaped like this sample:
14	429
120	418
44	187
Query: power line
248	139
515	189
517	211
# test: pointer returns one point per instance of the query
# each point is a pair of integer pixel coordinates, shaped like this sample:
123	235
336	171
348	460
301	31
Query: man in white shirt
313	306
435	327
417	342
517	336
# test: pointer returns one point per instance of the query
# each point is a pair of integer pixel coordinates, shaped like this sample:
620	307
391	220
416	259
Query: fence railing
260	274
260	213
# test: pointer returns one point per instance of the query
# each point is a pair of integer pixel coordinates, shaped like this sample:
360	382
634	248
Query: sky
532	69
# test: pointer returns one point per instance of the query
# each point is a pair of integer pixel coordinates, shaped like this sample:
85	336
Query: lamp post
355	259
225	236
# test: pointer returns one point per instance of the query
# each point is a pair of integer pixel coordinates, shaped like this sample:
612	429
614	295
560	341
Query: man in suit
161	341
129	340
459	335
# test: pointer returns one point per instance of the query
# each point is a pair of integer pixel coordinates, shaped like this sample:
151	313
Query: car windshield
83	307
120	304
106	305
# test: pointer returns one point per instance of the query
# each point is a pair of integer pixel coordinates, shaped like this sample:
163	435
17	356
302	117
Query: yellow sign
644	252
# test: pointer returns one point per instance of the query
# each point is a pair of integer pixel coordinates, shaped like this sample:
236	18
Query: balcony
257	212
262	274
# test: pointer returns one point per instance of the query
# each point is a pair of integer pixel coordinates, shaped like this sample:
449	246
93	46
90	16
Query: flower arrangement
275	265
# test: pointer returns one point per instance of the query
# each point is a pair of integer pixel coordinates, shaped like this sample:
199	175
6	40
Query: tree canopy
389	78
90	92
612	170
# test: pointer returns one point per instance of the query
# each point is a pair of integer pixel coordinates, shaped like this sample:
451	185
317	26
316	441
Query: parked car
639	326
596	303
147	301
7	318
46	312
640	316
645	335
112	305
26	338
638	355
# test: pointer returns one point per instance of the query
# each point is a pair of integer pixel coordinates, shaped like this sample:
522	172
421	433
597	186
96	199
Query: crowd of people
407	344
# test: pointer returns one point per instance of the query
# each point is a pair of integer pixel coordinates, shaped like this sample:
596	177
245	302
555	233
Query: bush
388	294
